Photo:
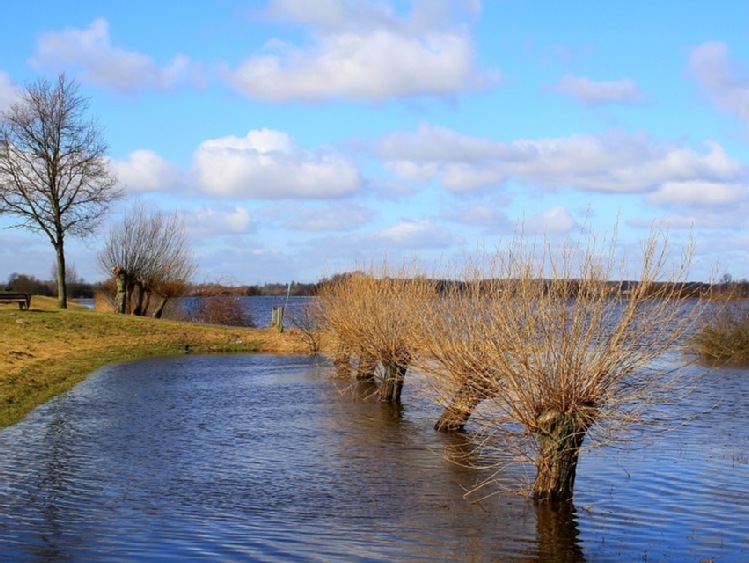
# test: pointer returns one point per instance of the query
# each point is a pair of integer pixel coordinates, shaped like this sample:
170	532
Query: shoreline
44	351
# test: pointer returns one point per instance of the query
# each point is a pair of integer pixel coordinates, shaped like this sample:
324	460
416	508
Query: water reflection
556	524
261	458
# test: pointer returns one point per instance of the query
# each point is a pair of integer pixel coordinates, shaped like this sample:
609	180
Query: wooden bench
23	299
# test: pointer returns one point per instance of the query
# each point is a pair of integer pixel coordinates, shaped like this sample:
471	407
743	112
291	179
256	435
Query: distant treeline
738	289
22	283
79	289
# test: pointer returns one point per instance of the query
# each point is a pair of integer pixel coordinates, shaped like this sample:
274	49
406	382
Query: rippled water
260	458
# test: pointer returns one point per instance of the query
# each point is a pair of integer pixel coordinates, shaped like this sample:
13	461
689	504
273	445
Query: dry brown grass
45	351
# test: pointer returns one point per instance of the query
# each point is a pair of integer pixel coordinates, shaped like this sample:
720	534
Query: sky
300	138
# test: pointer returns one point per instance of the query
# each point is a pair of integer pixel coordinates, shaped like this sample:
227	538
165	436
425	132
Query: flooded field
261	458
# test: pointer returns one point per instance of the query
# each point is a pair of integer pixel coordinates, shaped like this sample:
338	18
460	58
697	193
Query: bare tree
147	252
55	177
557	344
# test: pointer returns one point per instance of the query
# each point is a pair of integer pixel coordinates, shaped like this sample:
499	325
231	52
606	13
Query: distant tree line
81	289
23	283
265	290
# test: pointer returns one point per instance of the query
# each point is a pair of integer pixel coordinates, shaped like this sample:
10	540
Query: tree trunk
456	414
561	436
62	287
147	304
120	278
129	299
160	308
392	386
138	309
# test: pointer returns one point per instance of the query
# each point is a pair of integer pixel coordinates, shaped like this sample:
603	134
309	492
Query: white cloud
363	50
146	171
100	63
413	234
363	15
491	216
8	91
319	217
697	219
725	81
554	220
266	164
203	220
594	92
480	214
614	162
699	194
371	66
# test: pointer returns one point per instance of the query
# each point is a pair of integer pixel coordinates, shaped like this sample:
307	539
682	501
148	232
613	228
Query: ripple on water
260	458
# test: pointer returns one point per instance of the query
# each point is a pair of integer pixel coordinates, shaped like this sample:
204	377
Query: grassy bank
45	351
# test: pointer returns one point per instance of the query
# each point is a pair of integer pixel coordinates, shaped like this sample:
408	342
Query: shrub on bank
724	337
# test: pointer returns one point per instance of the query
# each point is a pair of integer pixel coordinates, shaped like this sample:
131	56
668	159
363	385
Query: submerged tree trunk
464	402
392	386
561	435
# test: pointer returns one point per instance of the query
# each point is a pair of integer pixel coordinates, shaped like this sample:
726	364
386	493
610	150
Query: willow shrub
555	341
373	315
724	335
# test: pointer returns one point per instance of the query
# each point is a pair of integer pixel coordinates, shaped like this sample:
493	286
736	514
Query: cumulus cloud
319	217
699	194
554	220
266	164
490	215
594	92
363	15
146	171
204	220
100	63
493	218
413	234
615	162
725	81
8	91
363	51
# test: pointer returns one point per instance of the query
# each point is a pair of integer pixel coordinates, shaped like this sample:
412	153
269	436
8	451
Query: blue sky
300	138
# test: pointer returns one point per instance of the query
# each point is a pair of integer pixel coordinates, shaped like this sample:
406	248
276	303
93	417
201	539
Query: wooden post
276	319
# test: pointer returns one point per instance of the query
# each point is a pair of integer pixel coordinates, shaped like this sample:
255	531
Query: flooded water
261	458
260	309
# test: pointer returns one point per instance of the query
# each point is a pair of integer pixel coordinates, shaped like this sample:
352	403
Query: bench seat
23	299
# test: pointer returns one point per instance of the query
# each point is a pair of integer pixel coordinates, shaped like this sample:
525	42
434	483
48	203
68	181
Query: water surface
261	458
